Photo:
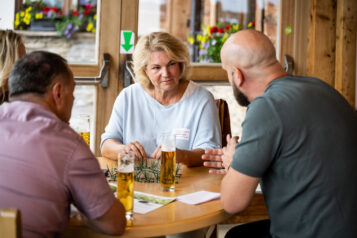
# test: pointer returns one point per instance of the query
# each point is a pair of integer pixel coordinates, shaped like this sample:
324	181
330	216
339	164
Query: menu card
198	197
145	202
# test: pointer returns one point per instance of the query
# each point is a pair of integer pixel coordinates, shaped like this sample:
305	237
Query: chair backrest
10	223
223	113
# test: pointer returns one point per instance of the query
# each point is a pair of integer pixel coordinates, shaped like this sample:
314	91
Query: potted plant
211	40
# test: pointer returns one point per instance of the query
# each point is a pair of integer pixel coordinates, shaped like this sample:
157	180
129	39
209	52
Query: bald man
299	140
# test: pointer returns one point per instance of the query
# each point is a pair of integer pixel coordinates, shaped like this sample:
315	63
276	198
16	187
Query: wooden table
175	217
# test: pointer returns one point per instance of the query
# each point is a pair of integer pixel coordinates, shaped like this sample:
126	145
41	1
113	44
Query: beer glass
125	181
168	161
83	127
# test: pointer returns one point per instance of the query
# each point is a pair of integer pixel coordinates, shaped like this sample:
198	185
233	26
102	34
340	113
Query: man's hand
220	159
213	160
229	150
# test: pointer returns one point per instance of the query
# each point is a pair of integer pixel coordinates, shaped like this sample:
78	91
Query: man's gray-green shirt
300	137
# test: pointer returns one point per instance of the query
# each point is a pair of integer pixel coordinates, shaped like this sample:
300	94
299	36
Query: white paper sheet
198	197
145	202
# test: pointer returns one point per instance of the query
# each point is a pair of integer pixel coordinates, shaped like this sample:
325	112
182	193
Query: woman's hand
157	153
137	148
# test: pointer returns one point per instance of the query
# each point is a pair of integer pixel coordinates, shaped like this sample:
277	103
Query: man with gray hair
45	165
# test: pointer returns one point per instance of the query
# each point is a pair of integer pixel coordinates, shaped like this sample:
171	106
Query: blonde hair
159	41
9	53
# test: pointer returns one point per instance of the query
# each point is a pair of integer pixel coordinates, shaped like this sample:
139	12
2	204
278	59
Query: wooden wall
322	42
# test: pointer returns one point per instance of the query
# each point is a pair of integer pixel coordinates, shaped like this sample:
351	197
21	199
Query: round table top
176	217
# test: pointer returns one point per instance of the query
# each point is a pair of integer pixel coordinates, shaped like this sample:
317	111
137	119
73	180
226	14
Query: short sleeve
208	132
261	136
87	185
114	129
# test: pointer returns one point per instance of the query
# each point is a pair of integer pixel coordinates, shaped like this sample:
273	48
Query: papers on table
198	197
145	202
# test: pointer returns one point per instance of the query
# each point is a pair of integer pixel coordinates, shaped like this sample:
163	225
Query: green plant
211	40
66	24
23	19
83	20
145	171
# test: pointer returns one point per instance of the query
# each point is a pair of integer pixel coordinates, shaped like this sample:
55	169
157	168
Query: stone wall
80	48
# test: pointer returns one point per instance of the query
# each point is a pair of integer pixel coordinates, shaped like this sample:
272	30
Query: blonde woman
162	100
11	49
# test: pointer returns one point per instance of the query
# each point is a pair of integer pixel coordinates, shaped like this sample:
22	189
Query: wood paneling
294	14
208	72
301	36
286	20
322	40
85	70
345	70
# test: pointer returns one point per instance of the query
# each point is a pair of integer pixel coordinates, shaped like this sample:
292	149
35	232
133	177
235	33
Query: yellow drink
86	137
168	170
125	192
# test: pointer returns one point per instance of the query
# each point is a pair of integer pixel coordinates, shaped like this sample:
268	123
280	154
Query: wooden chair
224	119
10	223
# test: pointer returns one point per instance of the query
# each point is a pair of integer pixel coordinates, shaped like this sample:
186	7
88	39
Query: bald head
247	49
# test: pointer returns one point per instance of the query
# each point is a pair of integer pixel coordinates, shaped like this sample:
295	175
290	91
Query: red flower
220	30
75	13
227	27
213	29
45	10
253	23
54	9
88	6
86	11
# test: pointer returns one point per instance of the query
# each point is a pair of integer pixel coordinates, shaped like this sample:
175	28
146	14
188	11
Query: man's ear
57	93
238	78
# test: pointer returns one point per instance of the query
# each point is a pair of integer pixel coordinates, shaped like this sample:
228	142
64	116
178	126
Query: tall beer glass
168	162
125	181
84	127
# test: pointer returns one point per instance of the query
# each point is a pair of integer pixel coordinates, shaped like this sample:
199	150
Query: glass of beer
125	181
83	127
168	161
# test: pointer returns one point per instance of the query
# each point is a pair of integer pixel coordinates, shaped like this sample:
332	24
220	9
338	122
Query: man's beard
240	97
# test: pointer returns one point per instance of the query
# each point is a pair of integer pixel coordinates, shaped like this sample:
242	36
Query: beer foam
126	168
168	148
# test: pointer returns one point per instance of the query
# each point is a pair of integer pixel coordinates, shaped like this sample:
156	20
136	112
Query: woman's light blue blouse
136	116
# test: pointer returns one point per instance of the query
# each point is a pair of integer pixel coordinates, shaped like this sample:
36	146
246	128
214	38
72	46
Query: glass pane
213	21
68	28
85	96
65	27
205	31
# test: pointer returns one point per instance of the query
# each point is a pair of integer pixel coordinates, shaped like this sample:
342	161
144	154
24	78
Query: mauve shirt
45	166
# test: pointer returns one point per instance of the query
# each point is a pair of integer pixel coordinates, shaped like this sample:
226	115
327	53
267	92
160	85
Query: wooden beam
301	37
322	40
286	45
179	17
81	70
207	72
345	70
